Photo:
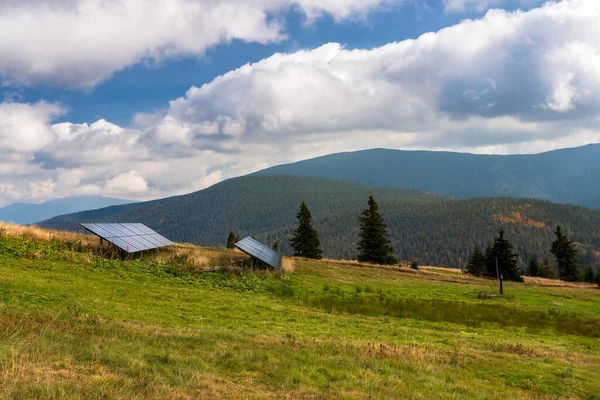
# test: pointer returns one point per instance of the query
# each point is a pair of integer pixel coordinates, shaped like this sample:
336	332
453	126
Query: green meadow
74	324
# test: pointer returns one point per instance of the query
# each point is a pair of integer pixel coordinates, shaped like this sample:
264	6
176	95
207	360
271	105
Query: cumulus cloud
510	82
25	127
531	66
80	43
461	6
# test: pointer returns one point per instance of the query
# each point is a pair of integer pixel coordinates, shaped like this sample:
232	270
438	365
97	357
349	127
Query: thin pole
497	272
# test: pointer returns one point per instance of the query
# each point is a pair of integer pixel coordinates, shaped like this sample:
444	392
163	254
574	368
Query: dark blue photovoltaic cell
130	237
260	251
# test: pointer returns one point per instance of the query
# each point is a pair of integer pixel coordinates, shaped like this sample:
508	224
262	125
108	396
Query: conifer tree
305	241
598	277
476	263
374	245
589	275
231	240
275	246
547	270
502	253
533	267
565	252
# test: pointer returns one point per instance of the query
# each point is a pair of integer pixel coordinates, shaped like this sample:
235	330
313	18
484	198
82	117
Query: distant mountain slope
27	213
246	205
71	221
566	176
435	229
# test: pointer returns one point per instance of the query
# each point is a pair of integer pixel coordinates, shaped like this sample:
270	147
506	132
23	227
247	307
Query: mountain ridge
29	213
569	175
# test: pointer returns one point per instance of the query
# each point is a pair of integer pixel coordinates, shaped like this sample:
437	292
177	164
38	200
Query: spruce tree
502	253
589	275
476	263
565	252
374	246
547	270
231	240
533	267
598	277
305	241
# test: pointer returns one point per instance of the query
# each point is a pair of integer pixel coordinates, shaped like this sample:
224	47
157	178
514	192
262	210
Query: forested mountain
246	206
28	213
565	176
432	228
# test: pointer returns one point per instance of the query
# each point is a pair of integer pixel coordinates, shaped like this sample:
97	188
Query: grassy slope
73	325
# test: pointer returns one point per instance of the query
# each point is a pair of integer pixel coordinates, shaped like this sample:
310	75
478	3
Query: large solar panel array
130	237
260	251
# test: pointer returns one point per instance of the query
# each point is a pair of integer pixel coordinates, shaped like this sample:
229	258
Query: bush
414	264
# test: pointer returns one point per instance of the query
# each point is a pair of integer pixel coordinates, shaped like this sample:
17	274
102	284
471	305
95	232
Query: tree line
374	246
500	259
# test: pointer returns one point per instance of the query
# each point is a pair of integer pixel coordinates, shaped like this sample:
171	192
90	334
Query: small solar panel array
260	251
132	238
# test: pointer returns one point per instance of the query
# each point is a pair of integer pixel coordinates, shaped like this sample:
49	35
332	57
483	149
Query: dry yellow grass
558	283
287	264
36	233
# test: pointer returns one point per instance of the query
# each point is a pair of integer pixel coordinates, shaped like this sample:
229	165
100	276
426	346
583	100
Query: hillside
564	176
28	213
77	325
436	230
247	206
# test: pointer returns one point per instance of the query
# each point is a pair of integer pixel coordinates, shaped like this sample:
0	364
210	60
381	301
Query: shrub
414	264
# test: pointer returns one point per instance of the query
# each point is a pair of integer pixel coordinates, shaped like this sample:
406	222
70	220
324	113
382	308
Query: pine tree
476	263
232	239
502	253
533	267
565	252
374	245
547	270
305	241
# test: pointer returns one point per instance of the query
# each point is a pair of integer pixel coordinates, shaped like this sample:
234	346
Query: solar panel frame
130	237
258	250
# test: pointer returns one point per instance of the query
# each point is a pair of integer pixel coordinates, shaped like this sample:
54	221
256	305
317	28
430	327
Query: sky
142	99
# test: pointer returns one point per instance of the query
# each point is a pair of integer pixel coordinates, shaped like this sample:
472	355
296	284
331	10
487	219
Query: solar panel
129	237
260	251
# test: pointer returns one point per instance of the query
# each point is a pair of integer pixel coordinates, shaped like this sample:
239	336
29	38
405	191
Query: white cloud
461	6
25	127
516	82
80	43
128	183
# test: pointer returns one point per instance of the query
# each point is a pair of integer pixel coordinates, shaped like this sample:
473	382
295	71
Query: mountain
246	205
435	229
28	213
564	176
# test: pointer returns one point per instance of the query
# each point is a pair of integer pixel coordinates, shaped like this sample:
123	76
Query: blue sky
143	99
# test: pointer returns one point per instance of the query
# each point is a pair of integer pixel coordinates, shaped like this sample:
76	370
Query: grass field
74	324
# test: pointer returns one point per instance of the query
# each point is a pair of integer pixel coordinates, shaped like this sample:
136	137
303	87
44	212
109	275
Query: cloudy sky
142	99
